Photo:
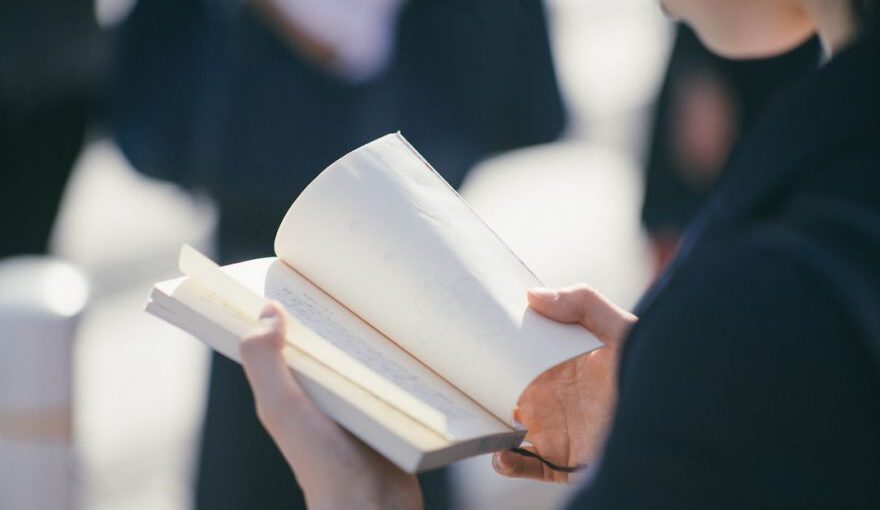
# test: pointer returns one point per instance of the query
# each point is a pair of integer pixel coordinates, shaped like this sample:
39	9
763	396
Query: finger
581	304
278	396
302	432
513	465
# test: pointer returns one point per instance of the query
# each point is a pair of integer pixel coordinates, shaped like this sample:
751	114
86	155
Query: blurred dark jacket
48	49
51	70
209	97
752	379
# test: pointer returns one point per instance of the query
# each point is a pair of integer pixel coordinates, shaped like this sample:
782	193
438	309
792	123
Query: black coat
752	379
208	96
673	196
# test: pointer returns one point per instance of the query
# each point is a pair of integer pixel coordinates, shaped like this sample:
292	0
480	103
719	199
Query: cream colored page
382	233
329	332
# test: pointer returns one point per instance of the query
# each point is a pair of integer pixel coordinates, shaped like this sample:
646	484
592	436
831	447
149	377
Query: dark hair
867	13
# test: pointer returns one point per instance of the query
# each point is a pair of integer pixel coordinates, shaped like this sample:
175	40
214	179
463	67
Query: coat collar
832	106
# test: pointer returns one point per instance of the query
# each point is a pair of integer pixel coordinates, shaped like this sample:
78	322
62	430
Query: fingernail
499	464
496	462
544	292
269	316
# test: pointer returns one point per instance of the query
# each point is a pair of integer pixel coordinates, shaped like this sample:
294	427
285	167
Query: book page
403	440
386	236
327	331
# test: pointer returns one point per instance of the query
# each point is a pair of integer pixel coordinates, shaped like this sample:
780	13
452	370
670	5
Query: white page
384	234
330	333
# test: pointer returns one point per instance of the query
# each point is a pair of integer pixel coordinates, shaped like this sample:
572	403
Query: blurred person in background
751	378
248	101
706	103
51	67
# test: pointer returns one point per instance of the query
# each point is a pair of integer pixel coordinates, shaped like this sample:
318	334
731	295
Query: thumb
284	409
276	392
513	465
581	304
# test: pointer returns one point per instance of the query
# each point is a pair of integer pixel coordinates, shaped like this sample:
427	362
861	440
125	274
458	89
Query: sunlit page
330	333
385	235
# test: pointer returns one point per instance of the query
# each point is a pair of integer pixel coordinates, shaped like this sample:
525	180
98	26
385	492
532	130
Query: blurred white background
570	209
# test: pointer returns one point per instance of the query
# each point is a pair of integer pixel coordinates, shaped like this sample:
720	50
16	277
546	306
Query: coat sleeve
742	387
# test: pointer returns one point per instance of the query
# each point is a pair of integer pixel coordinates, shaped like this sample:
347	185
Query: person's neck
835	23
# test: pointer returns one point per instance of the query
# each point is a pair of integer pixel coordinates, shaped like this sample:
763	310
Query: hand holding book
409	324
567	410
334	469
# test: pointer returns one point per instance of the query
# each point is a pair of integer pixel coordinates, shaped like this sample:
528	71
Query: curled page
331	334
387	237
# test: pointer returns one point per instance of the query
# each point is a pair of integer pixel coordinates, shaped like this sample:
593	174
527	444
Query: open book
408	318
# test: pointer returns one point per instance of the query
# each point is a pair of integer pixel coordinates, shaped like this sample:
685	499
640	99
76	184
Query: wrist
363	497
